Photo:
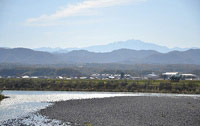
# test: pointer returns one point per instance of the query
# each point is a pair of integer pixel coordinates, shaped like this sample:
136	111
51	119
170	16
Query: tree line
154	86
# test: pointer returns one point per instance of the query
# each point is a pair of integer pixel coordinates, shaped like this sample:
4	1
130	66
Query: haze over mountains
122	56
129	44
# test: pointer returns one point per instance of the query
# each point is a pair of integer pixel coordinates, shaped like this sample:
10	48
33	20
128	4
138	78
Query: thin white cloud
80	9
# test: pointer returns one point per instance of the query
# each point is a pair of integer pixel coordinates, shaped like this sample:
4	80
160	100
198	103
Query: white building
111	77
83	78
25	77
188	76
170	73
68	78
152	76
96	76
34	77
167	75
59	77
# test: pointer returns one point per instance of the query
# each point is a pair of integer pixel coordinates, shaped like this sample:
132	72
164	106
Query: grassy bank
1	97
154	86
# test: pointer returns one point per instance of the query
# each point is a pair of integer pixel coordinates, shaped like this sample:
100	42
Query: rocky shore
128	111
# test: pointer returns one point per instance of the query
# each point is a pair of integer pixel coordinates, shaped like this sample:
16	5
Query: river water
21	107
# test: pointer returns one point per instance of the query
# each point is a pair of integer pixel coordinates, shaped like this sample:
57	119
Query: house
117	76
68	78
92	78
96	76
168	75
152	76
127	76
34	77
59	77
111	77
83	78
188	77
25	77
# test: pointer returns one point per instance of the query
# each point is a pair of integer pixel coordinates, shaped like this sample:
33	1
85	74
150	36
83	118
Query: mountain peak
132	44
128	44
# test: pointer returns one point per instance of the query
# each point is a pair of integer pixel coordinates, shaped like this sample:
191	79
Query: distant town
106	76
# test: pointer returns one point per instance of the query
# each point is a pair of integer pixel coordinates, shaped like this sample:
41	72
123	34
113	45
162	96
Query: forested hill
123	56
26	56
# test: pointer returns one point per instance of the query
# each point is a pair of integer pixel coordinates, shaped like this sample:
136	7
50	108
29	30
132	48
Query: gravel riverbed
127	111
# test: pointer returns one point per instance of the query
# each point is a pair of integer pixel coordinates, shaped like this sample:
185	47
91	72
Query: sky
83	23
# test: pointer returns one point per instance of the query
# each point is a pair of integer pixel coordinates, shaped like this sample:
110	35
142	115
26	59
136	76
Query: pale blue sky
82	23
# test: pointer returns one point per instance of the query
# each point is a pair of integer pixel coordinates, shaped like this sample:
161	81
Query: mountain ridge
123	56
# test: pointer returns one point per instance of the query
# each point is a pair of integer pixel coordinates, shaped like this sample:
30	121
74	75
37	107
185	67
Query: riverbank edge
149	91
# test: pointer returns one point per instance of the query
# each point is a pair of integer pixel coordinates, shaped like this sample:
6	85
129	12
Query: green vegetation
88	124
159	86
1	96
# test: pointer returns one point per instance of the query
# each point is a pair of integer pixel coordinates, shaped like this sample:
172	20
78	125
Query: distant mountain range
26	56
123	56
129	44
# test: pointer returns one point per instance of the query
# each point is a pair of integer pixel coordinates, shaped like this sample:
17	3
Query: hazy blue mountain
47	49
55	50
129	44
124	56
132	44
